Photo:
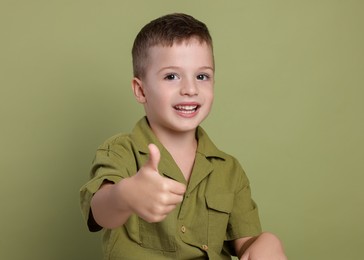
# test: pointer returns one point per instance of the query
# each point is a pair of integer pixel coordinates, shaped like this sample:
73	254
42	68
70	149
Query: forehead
191	49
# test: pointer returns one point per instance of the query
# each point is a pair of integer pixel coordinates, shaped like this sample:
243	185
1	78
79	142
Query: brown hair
165	31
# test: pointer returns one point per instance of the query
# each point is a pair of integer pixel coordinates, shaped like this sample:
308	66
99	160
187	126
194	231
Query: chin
188	126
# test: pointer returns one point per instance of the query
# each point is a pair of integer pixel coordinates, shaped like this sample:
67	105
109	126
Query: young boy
165	191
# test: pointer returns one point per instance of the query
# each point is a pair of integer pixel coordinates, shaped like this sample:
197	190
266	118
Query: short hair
166	31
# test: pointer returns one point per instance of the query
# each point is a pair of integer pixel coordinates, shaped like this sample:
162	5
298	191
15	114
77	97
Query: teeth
187	108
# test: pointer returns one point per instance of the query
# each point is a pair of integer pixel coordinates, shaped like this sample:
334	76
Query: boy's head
166	31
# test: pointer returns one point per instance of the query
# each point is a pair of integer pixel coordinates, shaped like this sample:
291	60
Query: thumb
154	157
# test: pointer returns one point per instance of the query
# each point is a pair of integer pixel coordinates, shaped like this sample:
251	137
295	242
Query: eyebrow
176	68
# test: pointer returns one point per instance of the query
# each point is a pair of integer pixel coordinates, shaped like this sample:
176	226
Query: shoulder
128	142
226	166
115	152
117	139
117	142
211	151
229	164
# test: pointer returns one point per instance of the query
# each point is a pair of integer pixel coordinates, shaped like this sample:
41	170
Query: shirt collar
143	135
206	147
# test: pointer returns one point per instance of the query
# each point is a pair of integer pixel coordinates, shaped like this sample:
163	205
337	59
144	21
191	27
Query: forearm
108	207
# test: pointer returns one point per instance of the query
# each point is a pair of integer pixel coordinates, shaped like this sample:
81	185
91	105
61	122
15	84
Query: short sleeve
244	218
110	164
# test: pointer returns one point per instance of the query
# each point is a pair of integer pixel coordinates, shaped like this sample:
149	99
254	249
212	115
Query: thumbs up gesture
153	196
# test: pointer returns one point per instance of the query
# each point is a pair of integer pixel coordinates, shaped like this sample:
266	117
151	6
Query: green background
289	105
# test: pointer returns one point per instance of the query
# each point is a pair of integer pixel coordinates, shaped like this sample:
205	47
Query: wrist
122	195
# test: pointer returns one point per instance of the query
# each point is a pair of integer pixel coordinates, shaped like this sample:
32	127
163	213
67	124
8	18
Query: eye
203	77
171	76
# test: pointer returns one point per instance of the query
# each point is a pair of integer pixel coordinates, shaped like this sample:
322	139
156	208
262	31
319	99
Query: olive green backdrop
289	106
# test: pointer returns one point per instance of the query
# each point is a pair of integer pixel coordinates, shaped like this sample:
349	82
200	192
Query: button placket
184	206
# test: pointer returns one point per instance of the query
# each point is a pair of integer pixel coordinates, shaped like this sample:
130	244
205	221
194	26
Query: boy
165	191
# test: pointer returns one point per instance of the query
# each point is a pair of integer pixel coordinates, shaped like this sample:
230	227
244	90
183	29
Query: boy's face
177	89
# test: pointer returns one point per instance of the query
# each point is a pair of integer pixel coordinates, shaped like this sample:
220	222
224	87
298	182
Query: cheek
158	98
209	94
211	99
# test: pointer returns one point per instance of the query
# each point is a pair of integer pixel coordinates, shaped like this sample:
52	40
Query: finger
174	199
154	157
163	210
176	187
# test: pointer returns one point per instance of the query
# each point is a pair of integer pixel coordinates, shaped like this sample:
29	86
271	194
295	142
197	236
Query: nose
189	88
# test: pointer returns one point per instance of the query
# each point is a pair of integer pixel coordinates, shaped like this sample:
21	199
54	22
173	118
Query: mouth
187	109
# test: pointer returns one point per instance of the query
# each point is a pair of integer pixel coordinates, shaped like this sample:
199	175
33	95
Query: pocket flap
220	202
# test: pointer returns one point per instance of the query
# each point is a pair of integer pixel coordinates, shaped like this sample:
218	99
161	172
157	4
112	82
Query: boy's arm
108	209
264	246
147	194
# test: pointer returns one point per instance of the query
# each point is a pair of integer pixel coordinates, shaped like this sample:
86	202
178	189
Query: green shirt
217	206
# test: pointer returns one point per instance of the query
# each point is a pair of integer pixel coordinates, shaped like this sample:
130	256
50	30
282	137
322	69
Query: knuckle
164	198
157	210
164	186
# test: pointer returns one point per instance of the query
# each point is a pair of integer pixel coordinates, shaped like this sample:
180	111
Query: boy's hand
265	246
152	196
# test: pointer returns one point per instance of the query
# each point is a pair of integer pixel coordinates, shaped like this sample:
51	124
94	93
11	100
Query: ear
138	90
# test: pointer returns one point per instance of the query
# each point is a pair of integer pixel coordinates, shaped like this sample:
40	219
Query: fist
154	196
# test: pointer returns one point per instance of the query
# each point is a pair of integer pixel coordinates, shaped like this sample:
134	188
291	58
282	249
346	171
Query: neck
177	141
182	147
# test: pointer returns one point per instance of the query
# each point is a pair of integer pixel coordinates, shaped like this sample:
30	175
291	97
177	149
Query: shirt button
205	247
183	229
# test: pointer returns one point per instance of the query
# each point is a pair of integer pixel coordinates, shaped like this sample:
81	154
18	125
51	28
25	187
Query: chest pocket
219	208
159	236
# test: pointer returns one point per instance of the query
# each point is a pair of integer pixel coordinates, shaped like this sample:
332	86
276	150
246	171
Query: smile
186	109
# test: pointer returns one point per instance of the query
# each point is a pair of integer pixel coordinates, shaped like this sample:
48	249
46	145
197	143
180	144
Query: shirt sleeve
110	165
244	218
